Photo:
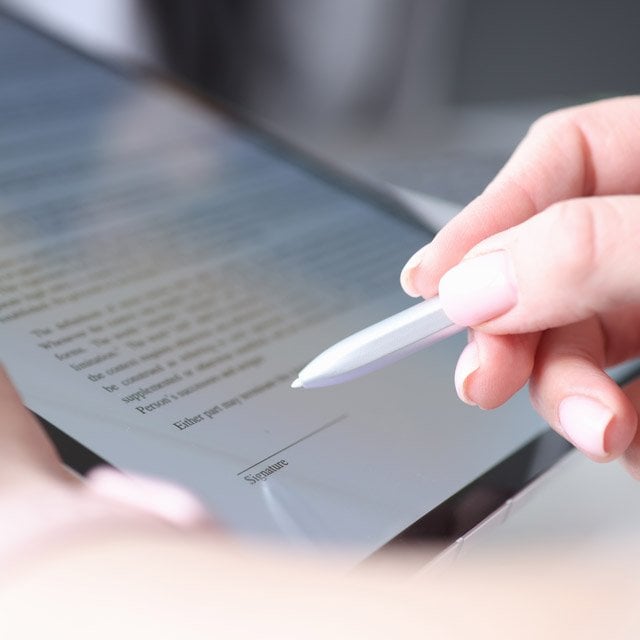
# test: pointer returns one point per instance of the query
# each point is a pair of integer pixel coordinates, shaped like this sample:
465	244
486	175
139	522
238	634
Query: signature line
293	444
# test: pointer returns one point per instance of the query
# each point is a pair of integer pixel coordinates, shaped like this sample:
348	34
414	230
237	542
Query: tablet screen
163	278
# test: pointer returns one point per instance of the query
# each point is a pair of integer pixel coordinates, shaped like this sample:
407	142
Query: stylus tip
296	384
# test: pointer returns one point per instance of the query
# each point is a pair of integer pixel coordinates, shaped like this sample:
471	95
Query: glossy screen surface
163	278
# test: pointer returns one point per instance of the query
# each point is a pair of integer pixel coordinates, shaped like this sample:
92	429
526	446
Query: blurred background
426	94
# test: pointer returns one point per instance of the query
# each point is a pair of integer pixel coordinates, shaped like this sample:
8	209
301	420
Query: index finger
581	151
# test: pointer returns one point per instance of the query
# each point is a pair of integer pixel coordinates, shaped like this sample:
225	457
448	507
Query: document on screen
163	277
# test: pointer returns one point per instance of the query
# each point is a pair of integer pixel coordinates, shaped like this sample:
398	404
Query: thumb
576	259
27	453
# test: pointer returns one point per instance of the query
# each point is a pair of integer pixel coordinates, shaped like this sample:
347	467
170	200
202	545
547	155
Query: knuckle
553	121
577	240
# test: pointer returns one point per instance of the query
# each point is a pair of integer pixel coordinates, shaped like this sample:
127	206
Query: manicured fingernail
585	421
468	362
164	499
408	272
478	289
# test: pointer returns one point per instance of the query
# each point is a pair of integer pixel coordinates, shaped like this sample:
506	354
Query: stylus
379	345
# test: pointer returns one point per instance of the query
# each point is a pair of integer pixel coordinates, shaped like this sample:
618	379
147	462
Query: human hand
43	504
543	266
116	556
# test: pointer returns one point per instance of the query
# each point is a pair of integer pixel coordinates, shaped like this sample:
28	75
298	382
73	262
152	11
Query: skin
98	562
564	216
123	556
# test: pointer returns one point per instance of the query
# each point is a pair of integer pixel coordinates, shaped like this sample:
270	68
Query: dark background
495	50
427	94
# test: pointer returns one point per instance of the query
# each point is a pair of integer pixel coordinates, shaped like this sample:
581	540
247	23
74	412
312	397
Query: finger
26	451
574	260
158	497
581	151
492	368
576	397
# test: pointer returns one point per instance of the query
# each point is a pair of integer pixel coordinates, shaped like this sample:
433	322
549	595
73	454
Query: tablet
166	269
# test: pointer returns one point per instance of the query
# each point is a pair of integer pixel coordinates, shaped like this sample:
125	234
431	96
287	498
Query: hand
118	556
544	266
43	504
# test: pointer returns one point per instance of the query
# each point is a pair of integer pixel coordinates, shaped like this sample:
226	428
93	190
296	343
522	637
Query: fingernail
585	421
468	362
478	289
408	272
163	499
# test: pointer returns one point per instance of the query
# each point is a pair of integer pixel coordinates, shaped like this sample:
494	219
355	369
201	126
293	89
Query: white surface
578	502
111	27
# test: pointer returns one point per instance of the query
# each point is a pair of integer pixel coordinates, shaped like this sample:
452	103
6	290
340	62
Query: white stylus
379	345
